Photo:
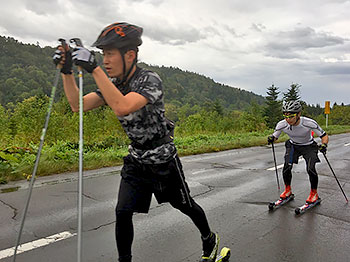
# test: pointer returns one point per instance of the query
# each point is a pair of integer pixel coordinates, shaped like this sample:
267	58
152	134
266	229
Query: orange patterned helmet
119	35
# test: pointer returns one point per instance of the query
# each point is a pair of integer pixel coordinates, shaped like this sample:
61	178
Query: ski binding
306	206
280	202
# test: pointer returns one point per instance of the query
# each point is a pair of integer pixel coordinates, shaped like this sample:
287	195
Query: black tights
196	213
124	230
310	168
124	234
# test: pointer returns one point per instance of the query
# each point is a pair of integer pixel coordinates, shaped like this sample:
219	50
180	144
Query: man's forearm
71	90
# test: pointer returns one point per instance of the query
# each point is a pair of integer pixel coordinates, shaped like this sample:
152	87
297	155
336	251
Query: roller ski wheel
280	202
307	206
224	256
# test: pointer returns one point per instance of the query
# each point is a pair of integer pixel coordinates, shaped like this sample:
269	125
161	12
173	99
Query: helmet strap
125	75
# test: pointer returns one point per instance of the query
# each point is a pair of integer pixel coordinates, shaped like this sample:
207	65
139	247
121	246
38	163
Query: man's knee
311	167
287	169
123	216
311	171
184	207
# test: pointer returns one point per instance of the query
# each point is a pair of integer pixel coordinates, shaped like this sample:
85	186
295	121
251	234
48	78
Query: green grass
63	157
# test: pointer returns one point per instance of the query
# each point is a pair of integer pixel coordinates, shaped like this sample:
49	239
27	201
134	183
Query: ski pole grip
65	47
77	42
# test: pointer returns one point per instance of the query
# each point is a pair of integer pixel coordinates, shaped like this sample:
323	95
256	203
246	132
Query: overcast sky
246	44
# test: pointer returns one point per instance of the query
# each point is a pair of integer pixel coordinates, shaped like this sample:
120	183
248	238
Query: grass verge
62	158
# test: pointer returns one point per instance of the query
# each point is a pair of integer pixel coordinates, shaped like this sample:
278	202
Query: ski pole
42	137
78	42
274	159
324	154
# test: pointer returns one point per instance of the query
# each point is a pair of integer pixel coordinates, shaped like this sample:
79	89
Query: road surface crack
210	188
85	195
100	226
15	211
259	203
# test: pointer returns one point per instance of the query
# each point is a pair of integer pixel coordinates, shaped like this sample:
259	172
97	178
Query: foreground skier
136	97
301	143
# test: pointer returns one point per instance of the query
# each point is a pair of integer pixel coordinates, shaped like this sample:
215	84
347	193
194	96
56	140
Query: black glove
67	66
84	58
270	139
323	148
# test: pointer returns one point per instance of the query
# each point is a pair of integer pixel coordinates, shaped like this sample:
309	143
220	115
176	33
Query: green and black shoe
210	248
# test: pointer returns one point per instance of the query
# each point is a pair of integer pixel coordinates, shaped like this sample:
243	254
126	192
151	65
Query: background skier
300	143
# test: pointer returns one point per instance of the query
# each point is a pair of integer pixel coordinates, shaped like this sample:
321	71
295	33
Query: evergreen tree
292	93
273	106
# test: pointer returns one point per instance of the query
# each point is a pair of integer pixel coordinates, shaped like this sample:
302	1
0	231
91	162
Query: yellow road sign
327	108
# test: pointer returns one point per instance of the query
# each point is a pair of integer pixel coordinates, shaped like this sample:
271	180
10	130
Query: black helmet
119	35
293	106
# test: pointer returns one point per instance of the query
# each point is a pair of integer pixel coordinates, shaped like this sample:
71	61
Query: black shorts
139	181
309	153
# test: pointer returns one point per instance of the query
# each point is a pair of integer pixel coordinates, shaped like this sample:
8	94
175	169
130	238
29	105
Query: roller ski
224	256
306	206
280	202
285	197
313	200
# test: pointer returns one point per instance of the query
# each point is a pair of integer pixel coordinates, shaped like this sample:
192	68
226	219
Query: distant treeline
27	70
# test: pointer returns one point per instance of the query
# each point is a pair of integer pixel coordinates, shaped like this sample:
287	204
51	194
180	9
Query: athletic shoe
210	248
287	192
312	197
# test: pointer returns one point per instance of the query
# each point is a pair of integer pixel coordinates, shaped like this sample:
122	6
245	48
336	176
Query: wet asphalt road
234	188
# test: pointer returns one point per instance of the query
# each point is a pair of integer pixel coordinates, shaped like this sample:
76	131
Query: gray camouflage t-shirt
149	122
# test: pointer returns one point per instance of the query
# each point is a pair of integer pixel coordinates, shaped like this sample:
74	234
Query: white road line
348	144
280	166
273	168
36	244
203	171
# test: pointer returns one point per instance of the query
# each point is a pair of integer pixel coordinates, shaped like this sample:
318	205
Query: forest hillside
27	70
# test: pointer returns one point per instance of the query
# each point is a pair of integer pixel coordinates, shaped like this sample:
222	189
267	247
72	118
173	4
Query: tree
292	93
340	115
5	127
272	110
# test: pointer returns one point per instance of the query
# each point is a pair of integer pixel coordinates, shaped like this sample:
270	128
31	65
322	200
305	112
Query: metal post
32	180
274	159
80	184
324	154
78	42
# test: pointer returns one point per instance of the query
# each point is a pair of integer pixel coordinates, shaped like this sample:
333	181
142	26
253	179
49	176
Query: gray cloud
173	35
258	27
43	7
245	44
286	44
336	68
153	2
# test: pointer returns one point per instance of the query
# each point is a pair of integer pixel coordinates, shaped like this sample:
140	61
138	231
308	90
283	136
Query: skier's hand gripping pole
78	43
82	57
324	154
63	57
